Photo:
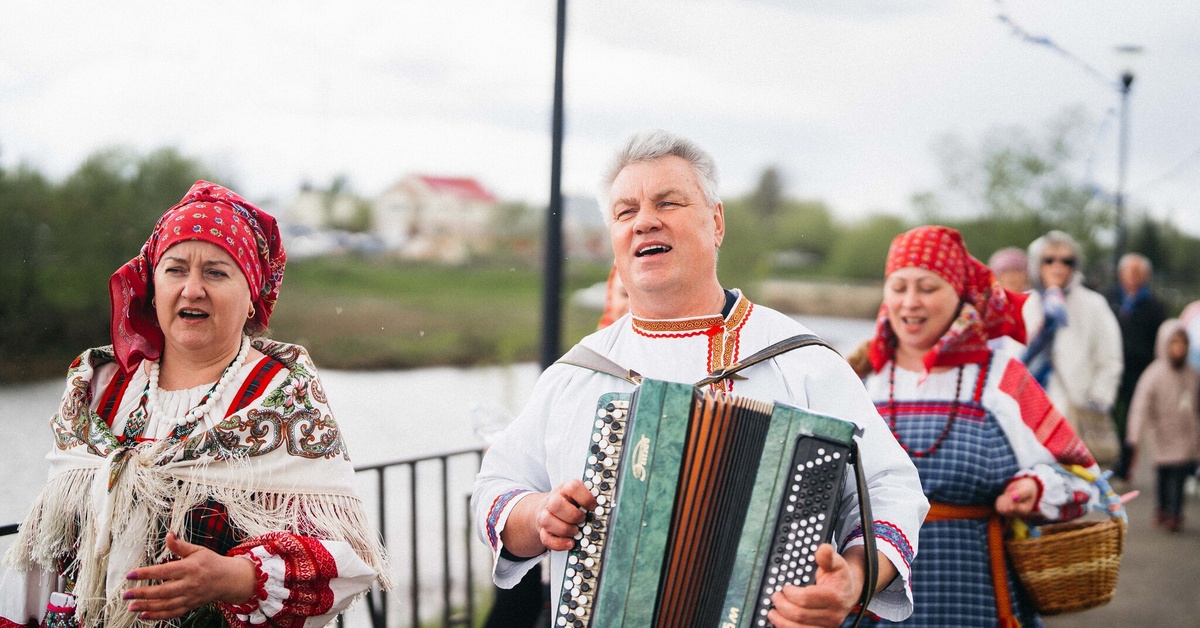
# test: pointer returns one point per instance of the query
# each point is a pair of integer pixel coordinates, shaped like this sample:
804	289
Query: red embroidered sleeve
1050	426
308	569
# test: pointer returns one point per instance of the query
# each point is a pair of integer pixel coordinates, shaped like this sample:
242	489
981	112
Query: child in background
1164	402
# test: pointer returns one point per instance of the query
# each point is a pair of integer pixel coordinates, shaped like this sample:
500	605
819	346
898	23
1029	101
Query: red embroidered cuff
1038	511
260	588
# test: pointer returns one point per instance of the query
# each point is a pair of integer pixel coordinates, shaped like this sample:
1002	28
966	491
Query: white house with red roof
435	218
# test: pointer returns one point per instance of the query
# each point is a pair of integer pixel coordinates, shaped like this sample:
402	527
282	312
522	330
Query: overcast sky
845	96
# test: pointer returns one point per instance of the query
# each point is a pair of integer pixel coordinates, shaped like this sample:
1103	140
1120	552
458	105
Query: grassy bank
373	313
356	313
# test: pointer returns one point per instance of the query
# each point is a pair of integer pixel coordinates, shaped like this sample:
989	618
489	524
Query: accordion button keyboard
599	477
801	525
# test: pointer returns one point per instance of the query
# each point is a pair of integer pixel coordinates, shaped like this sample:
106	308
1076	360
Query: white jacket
1087	353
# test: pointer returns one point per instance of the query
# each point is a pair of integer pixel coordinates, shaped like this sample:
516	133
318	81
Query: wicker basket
1071	566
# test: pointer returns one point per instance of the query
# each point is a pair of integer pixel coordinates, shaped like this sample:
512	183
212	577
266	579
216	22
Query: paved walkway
1159	584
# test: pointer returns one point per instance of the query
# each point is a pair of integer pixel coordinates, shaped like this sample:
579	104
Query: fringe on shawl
61	524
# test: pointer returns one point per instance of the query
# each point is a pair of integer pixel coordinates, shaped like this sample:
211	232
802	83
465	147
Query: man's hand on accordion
837	590
548	521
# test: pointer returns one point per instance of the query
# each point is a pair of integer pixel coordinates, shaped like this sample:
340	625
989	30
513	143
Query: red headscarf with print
208	213
616	300
988	310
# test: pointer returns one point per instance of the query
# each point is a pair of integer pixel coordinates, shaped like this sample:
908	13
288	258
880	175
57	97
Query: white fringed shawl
278	464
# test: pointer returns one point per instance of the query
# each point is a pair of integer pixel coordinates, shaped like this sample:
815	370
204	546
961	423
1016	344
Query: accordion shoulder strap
588	358
783	346
871	572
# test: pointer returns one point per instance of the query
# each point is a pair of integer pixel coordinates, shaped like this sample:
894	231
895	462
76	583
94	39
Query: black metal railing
377	600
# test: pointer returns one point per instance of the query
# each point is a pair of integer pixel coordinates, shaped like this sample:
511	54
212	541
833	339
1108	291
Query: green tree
1014	175
861	251
767	197
26	204
805	227
72	237
747	248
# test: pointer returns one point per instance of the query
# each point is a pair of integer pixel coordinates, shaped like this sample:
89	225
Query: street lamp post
1128	53
1122	158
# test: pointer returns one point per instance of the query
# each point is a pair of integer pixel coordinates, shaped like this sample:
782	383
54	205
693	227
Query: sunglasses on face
1069	262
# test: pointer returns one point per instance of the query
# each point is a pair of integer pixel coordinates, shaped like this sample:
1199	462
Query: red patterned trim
254	385
6	623
116	390
308	568
1076	508
676	329
1041	488
892	534
966	410
725	345
1048	424
724	335
493	517
981	379
260	588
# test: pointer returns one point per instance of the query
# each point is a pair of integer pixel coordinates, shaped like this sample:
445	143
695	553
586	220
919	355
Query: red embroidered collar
724	334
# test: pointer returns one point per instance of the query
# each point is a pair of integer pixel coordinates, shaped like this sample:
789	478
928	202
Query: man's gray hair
1130	258
656	144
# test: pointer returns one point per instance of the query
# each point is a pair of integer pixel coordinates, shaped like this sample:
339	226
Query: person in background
1074	343
196	476
1165	405
1190	319
1140	313
666	223
616	300
981	432
1011	268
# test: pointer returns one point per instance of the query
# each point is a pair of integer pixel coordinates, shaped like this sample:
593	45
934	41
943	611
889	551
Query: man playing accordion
666	223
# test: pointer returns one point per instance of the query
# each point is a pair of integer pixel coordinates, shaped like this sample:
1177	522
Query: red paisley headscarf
208	213
988	310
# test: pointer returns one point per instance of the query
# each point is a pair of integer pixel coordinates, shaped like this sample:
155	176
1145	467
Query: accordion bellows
709	503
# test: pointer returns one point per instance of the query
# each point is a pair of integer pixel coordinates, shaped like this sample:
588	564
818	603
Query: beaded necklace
892	414
151	404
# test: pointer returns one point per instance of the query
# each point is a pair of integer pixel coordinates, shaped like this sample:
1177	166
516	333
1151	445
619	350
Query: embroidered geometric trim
890	533
669	328
494	514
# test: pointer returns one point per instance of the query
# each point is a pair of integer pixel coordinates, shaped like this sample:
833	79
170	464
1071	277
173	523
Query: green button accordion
708	504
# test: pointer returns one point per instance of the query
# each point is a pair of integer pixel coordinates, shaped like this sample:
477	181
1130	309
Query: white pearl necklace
152	399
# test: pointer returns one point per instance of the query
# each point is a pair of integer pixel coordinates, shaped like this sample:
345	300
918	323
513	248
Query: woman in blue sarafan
985	439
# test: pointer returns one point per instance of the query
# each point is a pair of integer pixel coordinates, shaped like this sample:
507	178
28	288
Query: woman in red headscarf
197	475
979	429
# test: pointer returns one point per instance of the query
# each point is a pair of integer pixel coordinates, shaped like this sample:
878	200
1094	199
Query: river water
385	415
